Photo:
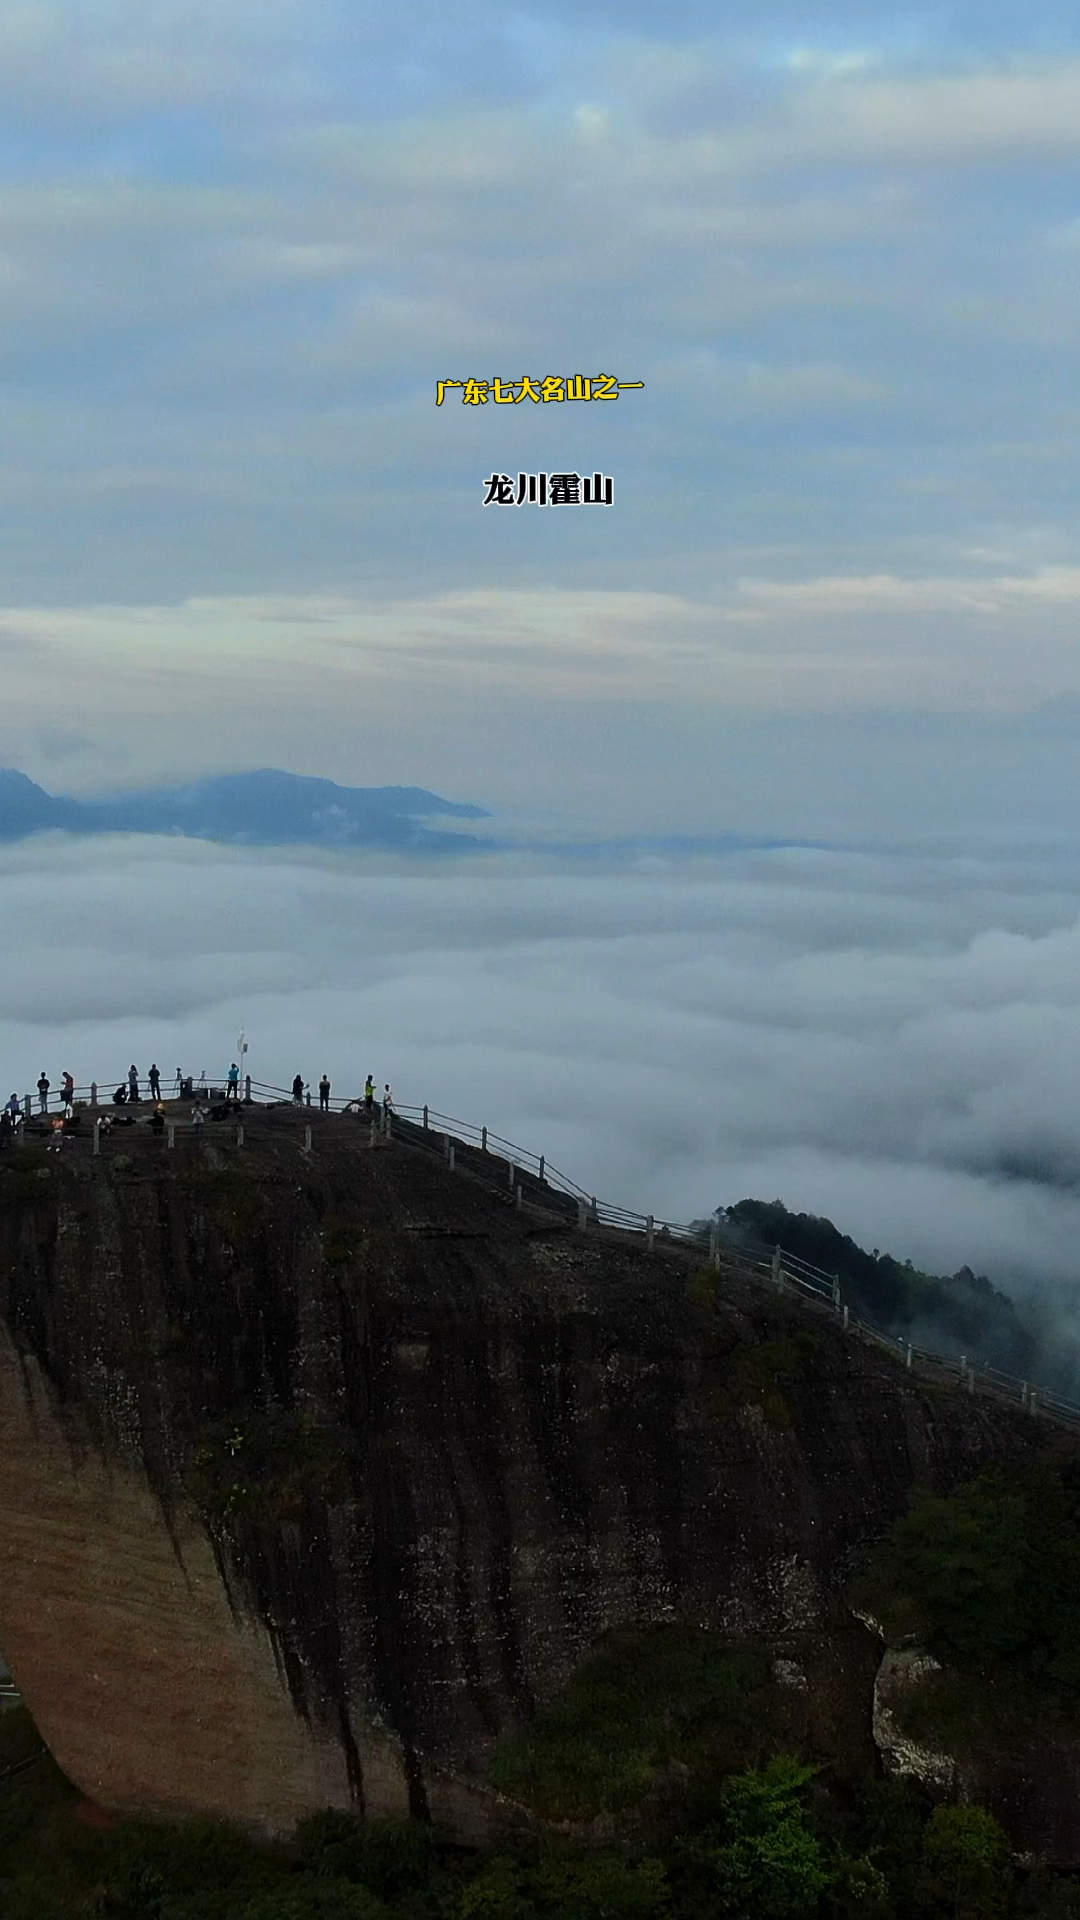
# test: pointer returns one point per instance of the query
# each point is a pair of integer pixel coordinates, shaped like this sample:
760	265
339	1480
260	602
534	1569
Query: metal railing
19	1767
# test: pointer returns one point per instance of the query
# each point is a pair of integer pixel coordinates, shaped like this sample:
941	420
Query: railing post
307	1139
247	1089
511	1169
483	1139
1032	1398
963	1365
425	1119
650	1233
517	1197
446	1146
836	1291
907	1358
240	1136
171	1133
1023	1393
371	1136
307	1097
845	1316
27	1107
592	1210
971	1379
582	1216
540	1174
93	1094
450	1155
96	1148
776	1267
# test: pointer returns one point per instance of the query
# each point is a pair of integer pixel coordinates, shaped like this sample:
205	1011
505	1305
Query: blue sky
238	248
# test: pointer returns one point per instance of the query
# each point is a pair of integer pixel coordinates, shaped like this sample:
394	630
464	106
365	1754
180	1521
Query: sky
840	247
835	597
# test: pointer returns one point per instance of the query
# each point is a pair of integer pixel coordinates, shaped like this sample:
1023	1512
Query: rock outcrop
521	1435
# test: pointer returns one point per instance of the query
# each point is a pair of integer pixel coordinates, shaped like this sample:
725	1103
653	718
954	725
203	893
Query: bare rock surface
540	1436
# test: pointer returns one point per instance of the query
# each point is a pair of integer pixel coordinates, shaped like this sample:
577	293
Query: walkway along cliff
320	1468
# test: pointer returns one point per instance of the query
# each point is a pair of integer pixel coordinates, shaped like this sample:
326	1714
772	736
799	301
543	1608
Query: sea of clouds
891	1040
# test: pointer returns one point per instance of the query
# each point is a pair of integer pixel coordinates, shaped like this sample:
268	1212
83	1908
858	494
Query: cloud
889	1041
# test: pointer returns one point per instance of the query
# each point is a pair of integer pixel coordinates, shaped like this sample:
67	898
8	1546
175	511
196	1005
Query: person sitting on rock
119	1098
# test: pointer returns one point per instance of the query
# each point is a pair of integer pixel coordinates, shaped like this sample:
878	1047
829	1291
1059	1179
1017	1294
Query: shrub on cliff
266	1464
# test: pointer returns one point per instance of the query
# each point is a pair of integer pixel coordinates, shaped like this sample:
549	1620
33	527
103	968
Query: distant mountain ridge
263	808
954	1313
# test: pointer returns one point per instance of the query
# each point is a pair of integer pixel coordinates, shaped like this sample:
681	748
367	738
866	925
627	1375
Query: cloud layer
892	1042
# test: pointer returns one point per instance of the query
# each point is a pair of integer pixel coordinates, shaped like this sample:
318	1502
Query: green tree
988	1575
762	1860
965	1873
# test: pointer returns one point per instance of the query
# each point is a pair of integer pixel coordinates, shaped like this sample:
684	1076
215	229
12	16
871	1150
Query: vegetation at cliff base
774	1847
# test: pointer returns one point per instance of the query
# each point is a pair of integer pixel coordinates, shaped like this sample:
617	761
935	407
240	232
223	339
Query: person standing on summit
43	1090
324	1094
232	1089
155	1084
133	1085
298	1090
369	1095
67	1091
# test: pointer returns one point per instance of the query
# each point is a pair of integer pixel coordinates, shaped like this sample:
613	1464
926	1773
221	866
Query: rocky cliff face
318	1471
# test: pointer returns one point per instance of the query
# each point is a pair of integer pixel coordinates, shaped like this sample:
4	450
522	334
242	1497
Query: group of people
301	1094
128	1093
44	1086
